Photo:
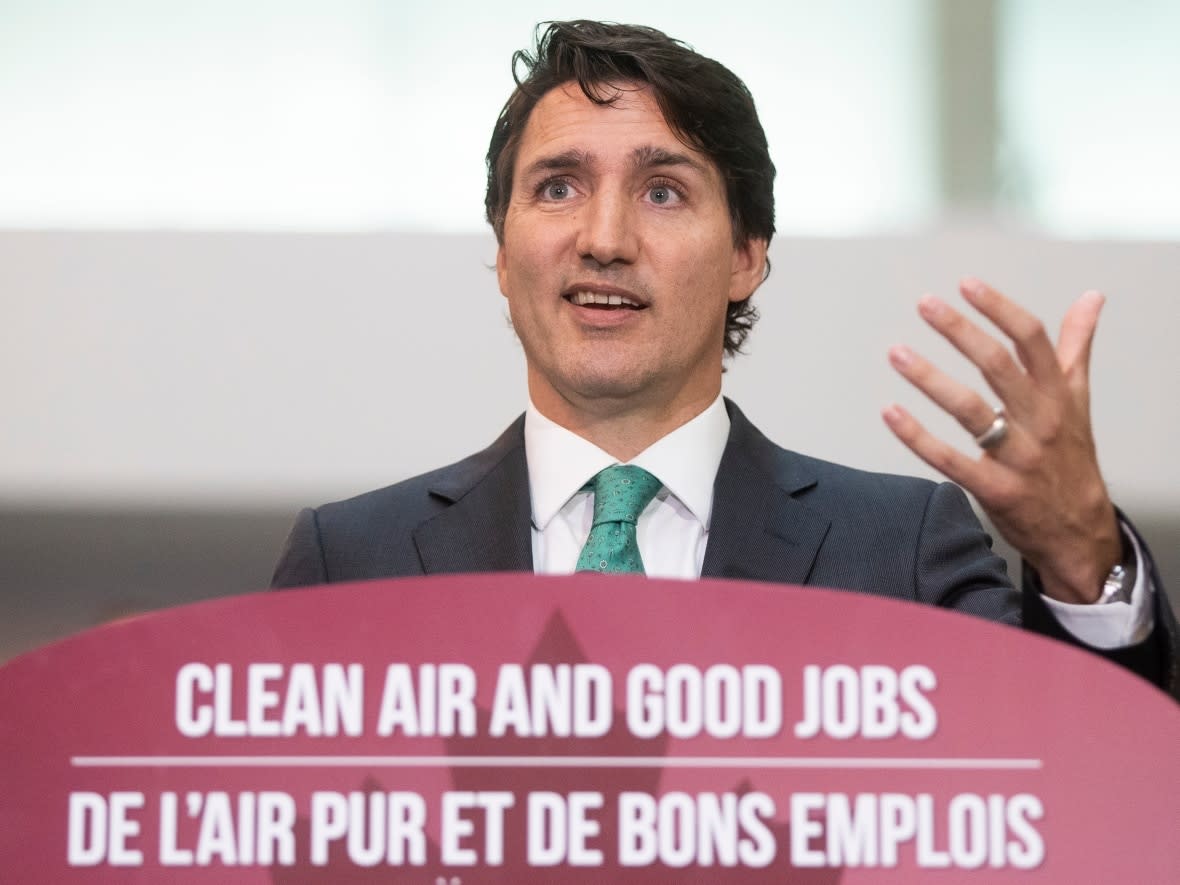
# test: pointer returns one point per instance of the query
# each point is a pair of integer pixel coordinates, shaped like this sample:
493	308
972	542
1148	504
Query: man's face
607	205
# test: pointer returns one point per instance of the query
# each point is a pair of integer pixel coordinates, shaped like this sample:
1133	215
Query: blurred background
242	253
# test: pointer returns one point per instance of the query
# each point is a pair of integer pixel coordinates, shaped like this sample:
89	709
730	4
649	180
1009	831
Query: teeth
581	298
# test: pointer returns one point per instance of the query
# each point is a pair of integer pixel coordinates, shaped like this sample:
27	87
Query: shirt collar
686	461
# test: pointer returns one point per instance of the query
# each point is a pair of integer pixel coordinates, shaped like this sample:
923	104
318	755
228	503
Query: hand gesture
1036	475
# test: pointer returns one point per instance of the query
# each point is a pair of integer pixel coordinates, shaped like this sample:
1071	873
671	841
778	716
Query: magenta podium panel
519	729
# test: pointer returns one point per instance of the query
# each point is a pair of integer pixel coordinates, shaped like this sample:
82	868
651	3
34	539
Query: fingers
1026	331
992	359
1039	482
1035	406
962	403
973	412
947	460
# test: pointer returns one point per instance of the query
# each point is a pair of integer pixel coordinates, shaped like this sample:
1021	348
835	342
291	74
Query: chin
607	388
605	382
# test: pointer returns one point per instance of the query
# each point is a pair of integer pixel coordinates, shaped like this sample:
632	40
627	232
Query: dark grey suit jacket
777	516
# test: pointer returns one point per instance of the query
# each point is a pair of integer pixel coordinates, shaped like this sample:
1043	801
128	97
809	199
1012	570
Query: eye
555	189
663	194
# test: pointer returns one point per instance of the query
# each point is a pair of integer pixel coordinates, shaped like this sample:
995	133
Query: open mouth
601	301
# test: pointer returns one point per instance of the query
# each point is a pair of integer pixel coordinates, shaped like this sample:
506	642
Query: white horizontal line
546	762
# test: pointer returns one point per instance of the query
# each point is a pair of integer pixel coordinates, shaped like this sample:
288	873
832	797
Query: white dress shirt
674	528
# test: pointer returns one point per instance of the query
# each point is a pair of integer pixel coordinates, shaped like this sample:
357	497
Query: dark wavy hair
703	102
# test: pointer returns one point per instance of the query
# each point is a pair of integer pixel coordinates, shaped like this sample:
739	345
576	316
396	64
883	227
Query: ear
748	269
502	270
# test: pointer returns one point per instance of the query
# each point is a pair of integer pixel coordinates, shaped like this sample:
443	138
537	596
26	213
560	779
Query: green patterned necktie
621	493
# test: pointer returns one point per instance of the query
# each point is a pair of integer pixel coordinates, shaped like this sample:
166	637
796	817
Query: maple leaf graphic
556	645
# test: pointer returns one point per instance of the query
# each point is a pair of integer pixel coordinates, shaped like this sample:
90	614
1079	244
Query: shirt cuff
1114	624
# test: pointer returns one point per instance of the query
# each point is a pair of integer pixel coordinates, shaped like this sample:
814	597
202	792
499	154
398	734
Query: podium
526	729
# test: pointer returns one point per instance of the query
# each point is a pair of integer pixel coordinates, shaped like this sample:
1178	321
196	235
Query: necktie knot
621	493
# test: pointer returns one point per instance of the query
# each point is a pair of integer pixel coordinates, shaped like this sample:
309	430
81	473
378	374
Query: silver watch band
1117	586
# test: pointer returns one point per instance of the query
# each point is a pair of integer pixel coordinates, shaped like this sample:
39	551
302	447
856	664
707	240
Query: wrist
1081	577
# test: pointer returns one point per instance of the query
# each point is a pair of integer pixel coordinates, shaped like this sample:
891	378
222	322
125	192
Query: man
631	192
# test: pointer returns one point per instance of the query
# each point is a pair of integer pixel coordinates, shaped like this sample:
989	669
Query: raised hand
1037	473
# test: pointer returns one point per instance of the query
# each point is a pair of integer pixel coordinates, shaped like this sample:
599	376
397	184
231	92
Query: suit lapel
487	527
758	530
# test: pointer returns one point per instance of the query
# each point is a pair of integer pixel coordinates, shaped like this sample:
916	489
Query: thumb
1077	333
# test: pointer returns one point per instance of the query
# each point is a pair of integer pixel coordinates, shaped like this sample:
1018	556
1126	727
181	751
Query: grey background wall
170	399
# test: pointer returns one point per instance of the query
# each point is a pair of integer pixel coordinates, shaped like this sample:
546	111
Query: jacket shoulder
418	497
883	533
826	484
371	534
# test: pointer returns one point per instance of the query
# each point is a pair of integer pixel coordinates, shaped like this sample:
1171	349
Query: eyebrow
644	157
648	156
570	159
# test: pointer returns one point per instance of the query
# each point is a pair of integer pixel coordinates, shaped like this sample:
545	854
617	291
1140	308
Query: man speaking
631	192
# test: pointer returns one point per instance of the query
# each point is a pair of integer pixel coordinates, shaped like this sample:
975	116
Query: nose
608	231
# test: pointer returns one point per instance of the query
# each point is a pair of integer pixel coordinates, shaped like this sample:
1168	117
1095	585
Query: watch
1117	586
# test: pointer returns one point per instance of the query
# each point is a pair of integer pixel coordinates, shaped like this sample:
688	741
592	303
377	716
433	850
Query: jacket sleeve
954	565
955	569
1156	658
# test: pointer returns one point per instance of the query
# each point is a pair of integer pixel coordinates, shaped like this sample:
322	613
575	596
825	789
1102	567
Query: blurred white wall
375	115
1089	128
